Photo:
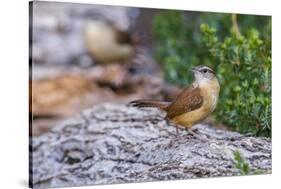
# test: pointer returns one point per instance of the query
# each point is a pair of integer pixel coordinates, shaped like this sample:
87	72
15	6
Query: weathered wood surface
118	144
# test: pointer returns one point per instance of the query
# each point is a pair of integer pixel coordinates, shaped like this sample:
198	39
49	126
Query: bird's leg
178	137
175	125
177	130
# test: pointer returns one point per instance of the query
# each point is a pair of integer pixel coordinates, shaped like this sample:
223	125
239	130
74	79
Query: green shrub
237	48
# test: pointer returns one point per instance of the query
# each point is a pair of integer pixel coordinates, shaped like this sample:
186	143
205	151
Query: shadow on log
118	144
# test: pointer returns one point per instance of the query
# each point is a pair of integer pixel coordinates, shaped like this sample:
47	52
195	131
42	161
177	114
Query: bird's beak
193	70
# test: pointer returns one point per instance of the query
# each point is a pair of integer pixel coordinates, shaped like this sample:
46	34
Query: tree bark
114	143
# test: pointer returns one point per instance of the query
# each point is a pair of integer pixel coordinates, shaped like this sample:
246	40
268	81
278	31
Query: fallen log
115	143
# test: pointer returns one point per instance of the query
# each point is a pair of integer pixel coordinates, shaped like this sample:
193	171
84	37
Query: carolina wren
194	103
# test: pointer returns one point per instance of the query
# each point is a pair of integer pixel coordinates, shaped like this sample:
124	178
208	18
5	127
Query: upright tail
151	103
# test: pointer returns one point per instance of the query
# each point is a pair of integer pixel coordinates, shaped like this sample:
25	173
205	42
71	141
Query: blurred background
83	55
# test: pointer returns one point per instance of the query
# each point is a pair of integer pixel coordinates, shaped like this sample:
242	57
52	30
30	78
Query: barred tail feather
150	103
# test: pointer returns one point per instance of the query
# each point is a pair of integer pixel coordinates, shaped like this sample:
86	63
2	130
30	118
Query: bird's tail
150	103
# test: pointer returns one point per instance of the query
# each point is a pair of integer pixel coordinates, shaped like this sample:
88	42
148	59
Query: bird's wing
188	100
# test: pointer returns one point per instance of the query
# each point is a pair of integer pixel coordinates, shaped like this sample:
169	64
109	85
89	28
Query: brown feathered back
188	100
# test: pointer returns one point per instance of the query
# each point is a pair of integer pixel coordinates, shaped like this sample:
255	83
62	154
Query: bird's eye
204	70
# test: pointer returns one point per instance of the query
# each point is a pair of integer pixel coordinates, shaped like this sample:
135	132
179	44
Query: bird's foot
197	136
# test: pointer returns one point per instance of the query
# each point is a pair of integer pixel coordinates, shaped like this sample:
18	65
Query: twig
235	26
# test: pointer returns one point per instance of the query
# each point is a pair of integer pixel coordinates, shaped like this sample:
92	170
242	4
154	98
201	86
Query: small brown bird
194	103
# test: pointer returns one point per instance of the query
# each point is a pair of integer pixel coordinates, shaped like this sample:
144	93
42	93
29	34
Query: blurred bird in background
107	44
